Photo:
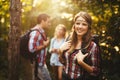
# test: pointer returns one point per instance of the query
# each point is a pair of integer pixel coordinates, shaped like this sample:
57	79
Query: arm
44	45
93	68
51	49
33	42
80	57
66	45
95	61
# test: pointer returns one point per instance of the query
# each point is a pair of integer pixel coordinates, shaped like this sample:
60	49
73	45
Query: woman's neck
59	37
79	38
79	43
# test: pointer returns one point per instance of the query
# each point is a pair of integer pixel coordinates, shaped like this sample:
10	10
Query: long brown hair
87	37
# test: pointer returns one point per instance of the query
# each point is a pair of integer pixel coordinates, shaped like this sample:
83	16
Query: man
38	43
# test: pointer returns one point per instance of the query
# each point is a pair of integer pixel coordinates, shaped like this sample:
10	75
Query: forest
18	16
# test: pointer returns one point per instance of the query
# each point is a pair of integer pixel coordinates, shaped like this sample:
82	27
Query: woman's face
60	31
81	26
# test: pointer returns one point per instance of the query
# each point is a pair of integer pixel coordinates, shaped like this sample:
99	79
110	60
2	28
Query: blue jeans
43	73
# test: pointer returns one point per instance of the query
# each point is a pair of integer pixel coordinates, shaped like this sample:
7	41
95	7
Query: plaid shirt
36	39
74	70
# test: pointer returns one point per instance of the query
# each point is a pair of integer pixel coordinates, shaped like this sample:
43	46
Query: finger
76	54
69	41
69	44
86	54
80	51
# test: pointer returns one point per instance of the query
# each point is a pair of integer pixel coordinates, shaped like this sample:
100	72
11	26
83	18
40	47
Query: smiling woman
81	65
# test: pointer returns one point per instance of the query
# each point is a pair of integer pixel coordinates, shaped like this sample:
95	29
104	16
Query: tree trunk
13	44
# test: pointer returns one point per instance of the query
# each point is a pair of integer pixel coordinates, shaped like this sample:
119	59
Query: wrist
44	46
80	62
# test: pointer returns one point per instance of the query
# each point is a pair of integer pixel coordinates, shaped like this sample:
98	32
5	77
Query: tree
13	43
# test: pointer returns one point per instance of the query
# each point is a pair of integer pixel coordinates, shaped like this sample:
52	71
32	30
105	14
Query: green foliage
4	24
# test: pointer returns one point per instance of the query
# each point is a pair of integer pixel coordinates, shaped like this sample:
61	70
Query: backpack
24	51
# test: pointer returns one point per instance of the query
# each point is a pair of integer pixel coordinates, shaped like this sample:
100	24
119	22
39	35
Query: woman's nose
80	25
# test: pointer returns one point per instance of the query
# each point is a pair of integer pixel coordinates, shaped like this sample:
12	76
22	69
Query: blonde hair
63	27
87	37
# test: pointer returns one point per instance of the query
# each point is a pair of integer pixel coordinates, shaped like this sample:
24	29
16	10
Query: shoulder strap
68	37
34	30
38	31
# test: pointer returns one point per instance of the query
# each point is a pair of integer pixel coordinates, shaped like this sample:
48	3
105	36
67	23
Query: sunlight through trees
106	24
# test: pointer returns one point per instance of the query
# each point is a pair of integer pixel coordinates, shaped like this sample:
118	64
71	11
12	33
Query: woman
81	54
56	42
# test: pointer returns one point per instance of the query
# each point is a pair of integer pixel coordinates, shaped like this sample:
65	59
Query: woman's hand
66	45
80	56
53	50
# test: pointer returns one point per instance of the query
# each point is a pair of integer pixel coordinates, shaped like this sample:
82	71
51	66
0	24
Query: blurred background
106	24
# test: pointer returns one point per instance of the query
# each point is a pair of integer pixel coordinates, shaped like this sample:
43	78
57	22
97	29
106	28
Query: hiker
56	42
80	53
37	43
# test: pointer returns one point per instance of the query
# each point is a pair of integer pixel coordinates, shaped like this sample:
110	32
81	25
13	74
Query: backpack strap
39	32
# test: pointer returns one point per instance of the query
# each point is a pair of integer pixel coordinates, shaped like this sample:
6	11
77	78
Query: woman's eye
81	23
85	24
78	23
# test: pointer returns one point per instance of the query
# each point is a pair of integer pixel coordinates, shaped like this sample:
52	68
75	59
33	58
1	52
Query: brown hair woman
81	54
